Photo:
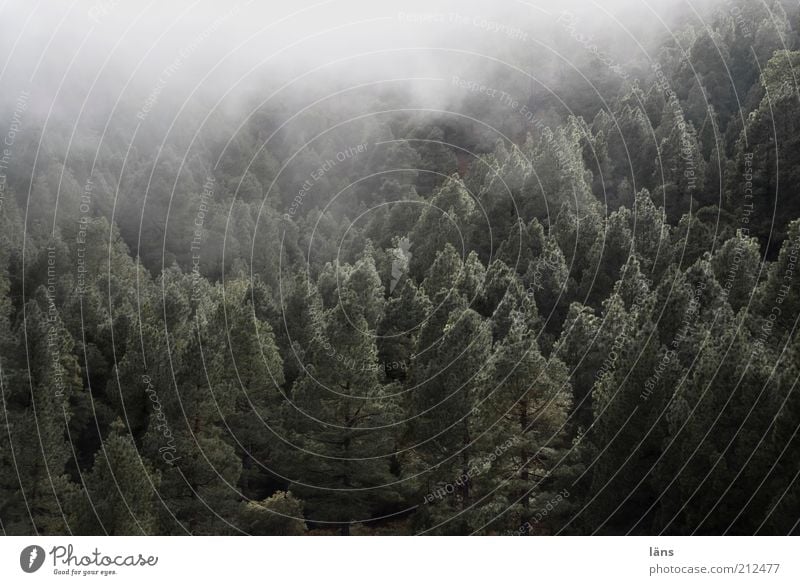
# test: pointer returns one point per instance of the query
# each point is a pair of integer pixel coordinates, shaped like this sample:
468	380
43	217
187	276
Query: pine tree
717	420
447	220
342	420
737	265
769	146
37	393
501	198
121	490
553	287
628	425
681	167
778	297
521	423
773	509
651	236
608	254
281	514
403	317
446	391
252	369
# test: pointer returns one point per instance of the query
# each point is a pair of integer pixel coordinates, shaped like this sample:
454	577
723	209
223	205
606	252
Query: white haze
77	54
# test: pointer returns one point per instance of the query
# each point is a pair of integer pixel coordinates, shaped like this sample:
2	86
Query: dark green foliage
576	317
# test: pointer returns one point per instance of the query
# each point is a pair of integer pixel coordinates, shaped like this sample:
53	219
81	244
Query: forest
551	293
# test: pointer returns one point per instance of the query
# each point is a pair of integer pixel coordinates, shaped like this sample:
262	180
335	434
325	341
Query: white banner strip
400	560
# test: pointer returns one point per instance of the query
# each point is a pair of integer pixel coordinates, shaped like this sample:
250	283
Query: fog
484	226
73	56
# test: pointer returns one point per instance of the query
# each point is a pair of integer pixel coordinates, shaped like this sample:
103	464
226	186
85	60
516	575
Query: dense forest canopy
524	277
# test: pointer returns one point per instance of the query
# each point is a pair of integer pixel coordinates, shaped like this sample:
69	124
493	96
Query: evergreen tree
120	490
342	418
37	394
522	416
445	396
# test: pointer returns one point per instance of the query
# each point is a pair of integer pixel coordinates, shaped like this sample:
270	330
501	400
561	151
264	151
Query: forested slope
563	315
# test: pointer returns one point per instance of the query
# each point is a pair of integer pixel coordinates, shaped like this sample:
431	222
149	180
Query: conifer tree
342	417
121	490
522	424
